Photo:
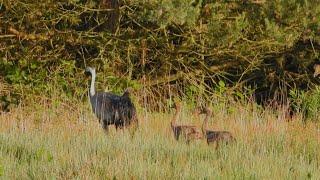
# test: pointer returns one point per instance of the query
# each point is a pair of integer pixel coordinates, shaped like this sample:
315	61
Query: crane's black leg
105	128
188	141
120	127
217	145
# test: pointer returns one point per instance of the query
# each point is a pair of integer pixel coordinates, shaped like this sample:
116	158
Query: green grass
56	142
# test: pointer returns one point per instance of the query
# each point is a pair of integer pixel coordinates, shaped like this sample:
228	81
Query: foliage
308	103
155	44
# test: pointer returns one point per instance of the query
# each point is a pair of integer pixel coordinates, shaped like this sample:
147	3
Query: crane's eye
87	73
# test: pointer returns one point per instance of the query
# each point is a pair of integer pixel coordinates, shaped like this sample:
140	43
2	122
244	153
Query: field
66	142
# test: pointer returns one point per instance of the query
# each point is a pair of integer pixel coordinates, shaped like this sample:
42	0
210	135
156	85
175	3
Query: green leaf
221	84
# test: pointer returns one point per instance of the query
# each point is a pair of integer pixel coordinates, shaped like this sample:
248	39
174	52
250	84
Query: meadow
62	141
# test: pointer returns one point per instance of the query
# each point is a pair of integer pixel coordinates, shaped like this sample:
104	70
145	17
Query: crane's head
204	110
177	105
316	69
90	71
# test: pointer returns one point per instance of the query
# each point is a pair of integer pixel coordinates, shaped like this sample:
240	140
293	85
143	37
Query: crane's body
188	132
213	136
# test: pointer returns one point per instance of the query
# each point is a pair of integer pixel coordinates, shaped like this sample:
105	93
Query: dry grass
60	141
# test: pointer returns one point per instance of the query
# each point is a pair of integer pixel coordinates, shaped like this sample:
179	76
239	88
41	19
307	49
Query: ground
67	142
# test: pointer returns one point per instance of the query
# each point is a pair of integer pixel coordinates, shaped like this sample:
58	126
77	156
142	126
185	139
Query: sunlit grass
46	142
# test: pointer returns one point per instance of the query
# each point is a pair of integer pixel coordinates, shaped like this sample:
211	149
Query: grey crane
110	108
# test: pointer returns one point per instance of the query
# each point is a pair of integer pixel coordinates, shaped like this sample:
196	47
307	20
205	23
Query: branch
180	75
27	36
7	35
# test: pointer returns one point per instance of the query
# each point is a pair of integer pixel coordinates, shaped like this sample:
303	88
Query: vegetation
66	143
235	55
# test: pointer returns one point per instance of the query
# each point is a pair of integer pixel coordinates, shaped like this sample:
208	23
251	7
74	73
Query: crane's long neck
205	124
92	90
175	117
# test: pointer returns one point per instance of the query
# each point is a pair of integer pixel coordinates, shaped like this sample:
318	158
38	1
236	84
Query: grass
64	142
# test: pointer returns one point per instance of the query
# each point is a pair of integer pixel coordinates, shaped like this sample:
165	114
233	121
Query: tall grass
60	141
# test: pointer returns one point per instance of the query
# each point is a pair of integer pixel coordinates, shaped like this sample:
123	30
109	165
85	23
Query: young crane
188	132
215	136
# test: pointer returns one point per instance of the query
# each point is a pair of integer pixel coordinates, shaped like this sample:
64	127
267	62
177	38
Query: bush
308	103
45	45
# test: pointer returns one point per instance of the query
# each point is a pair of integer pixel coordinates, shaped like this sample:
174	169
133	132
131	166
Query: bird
188	132
109	108
214	136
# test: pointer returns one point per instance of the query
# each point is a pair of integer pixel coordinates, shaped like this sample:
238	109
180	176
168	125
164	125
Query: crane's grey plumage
110	108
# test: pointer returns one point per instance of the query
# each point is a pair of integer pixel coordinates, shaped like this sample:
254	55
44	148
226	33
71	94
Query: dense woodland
197	49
